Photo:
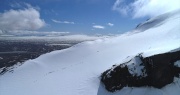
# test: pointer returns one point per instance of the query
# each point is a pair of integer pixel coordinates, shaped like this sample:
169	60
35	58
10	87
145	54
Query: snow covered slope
76	70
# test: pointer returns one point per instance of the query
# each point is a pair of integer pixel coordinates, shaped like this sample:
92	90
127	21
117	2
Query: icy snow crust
76	70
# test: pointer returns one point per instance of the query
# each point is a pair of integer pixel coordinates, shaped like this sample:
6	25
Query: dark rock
157	71
160	68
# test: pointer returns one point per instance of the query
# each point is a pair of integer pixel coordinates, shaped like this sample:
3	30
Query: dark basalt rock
160	68
158	71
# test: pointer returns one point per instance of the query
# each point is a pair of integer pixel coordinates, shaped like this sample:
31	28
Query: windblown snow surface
77	70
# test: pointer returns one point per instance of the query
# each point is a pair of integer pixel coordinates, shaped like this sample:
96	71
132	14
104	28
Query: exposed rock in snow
161	68
157	71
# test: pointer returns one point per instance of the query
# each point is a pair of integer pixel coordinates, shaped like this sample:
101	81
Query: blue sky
77	16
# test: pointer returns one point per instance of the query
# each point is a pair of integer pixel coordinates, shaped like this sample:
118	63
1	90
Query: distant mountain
155	22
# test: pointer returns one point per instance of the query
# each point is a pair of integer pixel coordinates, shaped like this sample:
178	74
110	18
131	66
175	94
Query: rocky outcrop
157	71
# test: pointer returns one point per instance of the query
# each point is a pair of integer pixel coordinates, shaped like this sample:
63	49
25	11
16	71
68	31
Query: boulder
156	71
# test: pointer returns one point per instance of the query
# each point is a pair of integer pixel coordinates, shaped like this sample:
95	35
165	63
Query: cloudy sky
80	16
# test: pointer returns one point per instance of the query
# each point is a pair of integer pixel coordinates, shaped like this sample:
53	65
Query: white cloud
1	32
150	8
110	24
32	33
120	7
22	19
22	5
64	22
15	5
98	27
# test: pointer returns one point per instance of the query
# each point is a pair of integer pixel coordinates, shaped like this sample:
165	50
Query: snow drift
77	70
